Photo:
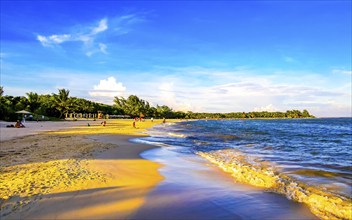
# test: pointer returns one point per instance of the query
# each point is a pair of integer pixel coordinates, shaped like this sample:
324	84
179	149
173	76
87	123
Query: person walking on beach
134	124
164	120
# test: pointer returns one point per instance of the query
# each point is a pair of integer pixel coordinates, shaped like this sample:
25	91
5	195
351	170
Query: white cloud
208	90
54	39
166	92
89	34
60	38
87	37
342	71
43	40
167	95
268	108
90	53
211	90
289	59
103	48
110	84
103	26
107	89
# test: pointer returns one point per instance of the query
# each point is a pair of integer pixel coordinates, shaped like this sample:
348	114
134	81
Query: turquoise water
316	152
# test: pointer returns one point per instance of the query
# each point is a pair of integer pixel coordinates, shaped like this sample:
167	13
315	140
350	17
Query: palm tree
133	105
33	101
62	101
1	91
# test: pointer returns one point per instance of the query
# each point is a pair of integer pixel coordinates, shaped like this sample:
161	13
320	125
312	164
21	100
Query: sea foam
324	204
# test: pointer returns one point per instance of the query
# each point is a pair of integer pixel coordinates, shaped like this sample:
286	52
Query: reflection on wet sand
192	190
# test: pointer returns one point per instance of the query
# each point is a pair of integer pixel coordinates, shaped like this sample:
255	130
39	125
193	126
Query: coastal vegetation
55	106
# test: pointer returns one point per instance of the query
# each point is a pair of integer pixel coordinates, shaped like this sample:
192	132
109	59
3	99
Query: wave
155	143
322	203
319	173
176	135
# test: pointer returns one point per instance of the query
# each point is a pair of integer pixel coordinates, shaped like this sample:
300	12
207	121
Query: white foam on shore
322	203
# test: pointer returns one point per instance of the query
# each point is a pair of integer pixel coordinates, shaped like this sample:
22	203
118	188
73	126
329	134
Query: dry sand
32	128
74	173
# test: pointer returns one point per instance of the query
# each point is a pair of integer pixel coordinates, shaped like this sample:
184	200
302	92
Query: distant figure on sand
19	124
164	120
152	119
134	124
103	123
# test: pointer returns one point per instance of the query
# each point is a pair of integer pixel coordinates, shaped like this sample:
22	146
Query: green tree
152	112
33	101
132	106
164	111
3	105
62	102
306	114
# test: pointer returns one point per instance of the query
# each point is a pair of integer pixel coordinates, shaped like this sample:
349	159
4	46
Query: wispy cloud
289	59
103	26
89	35
102	48
201	89
85	36
342	71
207	90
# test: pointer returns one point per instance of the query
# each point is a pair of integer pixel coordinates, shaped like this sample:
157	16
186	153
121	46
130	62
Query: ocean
305	160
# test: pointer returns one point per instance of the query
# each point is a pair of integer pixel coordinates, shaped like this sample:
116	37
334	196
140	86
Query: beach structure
99	115
24	114
81	115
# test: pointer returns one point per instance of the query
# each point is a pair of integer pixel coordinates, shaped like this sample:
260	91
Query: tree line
56	105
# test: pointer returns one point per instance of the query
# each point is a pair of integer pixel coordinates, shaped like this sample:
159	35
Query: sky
201	56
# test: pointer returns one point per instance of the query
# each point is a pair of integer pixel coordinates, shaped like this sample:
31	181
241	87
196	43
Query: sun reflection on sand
57	175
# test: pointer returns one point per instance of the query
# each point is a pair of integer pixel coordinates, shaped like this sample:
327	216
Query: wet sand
195	189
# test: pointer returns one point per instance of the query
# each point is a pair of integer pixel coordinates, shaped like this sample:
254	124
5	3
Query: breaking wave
253	171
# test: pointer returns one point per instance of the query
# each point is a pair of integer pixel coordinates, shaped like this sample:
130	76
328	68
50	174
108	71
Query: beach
84	170
55	170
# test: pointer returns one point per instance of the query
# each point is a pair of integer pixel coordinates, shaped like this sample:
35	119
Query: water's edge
220	148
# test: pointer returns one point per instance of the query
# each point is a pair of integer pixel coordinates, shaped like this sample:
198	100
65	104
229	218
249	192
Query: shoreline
196	189
94	175
97	172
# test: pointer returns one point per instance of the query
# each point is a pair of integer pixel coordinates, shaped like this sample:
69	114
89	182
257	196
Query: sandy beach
69	170
35	128
64	170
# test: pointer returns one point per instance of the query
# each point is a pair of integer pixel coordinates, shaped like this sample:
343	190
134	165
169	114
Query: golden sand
112	127
35	168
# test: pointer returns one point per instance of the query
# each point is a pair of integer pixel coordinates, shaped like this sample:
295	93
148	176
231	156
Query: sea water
306	160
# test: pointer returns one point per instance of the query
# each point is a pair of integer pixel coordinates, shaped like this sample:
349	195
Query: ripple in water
309	160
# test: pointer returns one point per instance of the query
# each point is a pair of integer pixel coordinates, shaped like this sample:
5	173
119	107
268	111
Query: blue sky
212	56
